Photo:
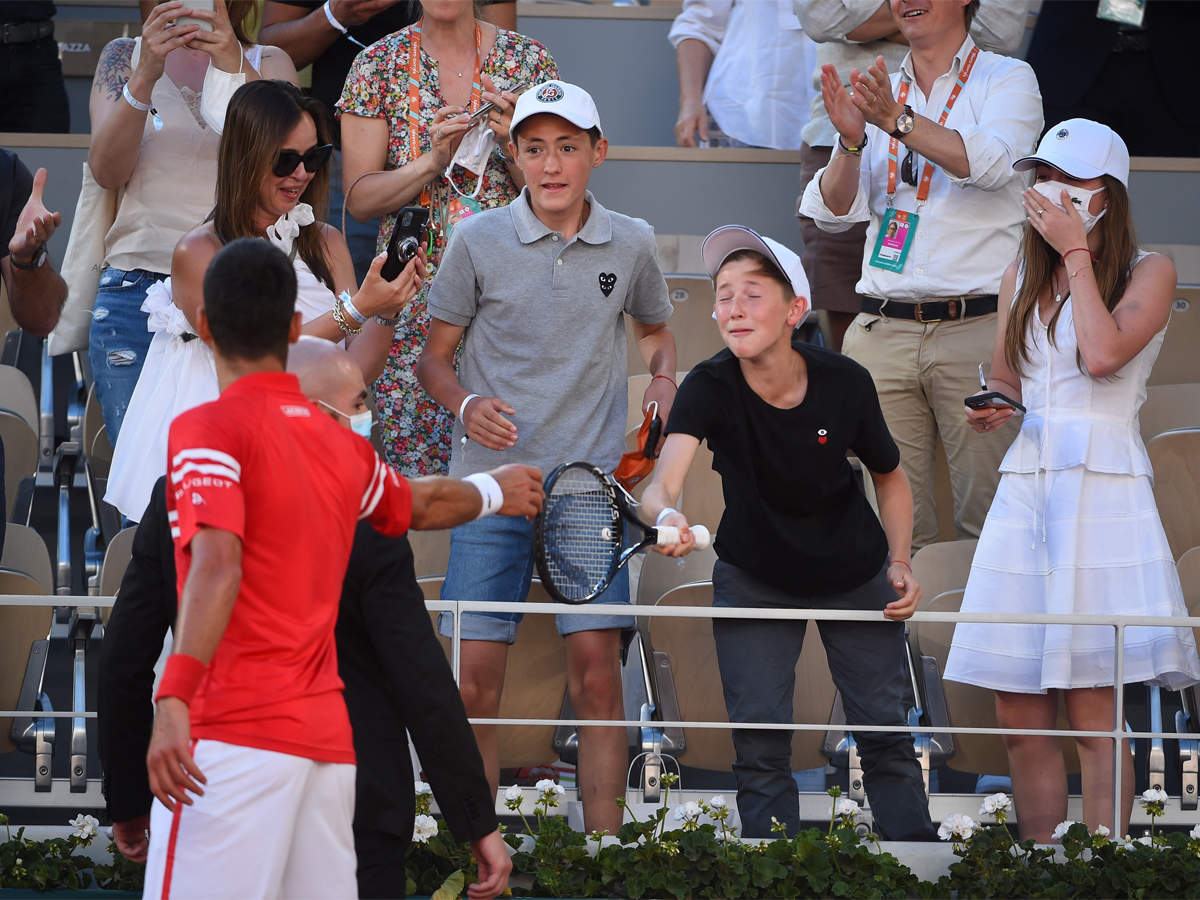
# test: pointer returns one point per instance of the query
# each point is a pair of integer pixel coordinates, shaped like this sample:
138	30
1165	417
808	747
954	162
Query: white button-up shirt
759	89
969	227
998	26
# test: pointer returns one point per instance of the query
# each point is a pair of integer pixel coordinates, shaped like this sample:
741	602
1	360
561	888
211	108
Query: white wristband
462	407
489	489
332	21
134	101
666	512
348	305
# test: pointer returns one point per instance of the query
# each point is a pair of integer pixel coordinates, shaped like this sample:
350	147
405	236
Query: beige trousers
922	373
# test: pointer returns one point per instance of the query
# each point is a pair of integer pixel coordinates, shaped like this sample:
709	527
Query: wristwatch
39	259
904	122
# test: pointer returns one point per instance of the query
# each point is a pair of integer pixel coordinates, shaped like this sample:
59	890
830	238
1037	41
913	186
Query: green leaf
452	887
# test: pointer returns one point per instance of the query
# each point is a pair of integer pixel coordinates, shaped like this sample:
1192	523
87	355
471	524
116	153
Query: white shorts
269	825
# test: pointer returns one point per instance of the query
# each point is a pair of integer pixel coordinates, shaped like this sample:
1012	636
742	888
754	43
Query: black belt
947	310
25	32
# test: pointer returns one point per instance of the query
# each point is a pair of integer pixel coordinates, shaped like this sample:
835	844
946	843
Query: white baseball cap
728	239
559	98
1082	149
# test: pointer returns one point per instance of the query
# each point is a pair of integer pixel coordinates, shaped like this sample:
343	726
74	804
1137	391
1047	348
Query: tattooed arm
116	126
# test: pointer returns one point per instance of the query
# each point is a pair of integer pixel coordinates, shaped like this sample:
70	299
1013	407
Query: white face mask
472	154
219	88
1081	199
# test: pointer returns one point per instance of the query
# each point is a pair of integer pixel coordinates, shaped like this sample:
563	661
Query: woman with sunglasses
151	142
409	134
271	172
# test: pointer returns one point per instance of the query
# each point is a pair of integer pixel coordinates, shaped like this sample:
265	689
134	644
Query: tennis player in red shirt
251	756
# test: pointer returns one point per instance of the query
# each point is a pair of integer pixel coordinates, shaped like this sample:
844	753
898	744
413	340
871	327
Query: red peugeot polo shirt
265	464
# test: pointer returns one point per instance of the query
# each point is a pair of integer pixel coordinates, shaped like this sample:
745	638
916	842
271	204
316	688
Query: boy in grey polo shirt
537	292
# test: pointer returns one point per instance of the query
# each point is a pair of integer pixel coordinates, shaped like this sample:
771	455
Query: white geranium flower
1146	841
957	827
1061	829
994	803
1102	831
688	812
424	827
1195	832
847	807
1154	795
85	827
420	788
718	802
549	786
513	793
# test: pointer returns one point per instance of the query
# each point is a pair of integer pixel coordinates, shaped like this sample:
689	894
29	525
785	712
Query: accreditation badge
896	233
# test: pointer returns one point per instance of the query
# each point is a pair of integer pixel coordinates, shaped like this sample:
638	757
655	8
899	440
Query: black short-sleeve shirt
330	68
16	183
794	516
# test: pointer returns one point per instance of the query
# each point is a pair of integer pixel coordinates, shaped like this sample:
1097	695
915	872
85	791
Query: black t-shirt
16	184
26	10
330	68
794	517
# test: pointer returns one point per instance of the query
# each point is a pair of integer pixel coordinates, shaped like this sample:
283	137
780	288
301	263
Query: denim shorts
118	340
491	559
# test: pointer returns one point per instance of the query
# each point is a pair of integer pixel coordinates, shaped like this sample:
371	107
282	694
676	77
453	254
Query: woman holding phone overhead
271	173
151	102
406	116
1074	527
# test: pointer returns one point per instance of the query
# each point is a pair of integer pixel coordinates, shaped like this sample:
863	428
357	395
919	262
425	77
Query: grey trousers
758	674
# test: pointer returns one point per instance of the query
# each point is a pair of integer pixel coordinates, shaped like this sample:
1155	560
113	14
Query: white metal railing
1119	623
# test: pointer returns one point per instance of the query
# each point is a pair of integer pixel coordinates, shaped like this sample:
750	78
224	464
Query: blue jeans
118	340
758	659
492	559
360	236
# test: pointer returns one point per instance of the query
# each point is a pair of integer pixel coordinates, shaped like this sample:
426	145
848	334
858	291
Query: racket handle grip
669	534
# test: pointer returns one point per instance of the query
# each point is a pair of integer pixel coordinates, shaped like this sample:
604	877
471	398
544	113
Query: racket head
579	534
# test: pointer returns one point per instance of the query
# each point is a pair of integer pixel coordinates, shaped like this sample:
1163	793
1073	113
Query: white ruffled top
313	297
1074	420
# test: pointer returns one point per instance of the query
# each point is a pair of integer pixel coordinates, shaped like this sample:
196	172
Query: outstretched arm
440	502
665	487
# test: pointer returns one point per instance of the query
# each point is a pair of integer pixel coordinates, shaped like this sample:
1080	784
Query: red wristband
181	677
668	378
1077	249
900	562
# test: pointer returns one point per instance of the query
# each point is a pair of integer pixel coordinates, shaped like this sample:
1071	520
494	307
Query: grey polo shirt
545	329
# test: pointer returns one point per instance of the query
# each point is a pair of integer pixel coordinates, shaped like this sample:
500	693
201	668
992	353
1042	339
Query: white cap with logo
1081	148
558	98
728	239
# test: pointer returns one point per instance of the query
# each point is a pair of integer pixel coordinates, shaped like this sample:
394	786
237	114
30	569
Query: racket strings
581	537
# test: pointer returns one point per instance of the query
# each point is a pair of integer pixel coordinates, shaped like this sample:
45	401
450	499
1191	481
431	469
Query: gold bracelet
339	316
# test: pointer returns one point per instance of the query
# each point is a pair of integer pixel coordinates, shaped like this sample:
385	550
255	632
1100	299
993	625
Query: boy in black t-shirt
797	532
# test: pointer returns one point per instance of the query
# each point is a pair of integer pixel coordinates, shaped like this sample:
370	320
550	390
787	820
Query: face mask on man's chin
1081	199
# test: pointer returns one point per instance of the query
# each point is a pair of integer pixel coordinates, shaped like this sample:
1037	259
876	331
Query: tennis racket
579	536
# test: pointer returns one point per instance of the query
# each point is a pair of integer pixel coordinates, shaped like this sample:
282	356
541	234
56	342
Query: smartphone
206	5
408	236
488	107
993	399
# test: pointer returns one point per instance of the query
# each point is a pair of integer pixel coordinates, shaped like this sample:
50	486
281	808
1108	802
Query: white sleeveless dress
177	376
1074	530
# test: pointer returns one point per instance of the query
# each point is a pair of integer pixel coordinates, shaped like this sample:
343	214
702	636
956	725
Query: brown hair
764	267
243	16
969	12
1038	260
258	119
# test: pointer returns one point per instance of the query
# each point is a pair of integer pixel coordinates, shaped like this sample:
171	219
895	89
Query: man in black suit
1127	76
395	672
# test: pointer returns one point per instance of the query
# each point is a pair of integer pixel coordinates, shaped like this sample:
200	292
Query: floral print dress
415	428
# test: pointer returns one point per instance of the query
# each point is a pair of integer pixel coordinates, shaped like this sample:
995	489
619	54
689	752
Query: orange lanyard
894	145
414	96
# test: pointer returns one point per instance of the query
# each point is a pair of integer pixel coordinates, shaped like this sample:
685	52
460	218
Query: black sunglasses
287	160
908	169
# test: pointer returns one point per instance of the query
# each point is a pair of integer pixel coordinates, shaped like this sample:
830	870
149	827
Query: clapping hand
846	117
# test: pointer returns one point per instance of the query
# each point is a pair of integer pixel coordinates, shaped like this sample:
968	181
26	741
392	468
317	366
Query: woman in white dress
1073	527
270	175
